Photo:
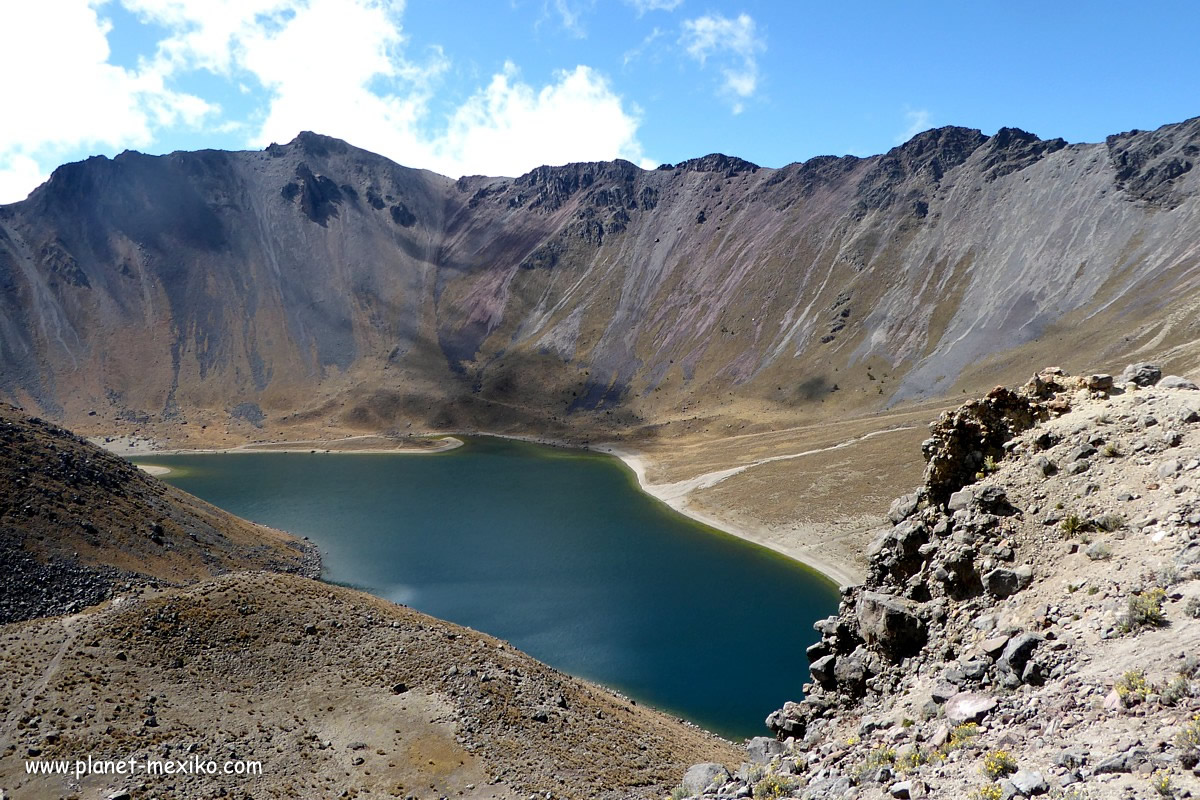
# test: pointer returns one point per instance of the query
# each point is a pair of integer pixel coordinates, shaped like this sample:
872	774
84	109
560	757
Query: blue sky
501	87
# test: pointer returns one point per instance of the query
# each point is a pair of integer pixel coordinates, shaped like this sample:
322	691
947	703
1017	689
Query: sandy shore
676	495
155	469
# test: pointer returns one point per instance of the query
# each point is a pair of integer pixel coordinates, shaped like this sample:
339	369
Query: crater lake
554	550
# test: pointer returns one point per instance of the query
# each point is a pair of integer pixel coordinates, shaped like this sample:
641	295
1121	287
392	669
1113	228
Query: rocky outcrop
77	524
1022	630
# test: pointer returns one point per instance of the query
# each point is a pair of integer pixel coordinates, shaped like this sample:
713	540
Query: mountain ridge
314	289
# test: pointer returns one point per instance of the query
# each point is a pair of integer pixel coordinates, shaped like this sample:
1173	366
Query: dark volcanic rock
891	623
1147	165
69	511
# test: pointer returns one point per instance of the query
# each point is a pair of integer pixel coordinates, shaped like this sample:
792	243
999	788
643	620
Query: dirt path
42	681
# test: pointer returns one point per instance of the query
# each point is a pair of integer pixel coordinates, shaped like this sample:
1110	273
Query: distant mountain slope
314	282
76	521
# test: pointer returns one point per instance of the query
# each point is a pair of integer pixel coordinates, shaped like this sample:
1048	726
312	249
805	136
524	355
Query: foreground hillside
1030	622
77	522
336	693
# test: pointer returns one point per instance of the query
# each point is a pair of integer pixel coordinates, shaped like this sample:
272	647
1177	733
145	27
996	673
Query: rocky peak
911	172
729	166
312	144
1013	149
1148	165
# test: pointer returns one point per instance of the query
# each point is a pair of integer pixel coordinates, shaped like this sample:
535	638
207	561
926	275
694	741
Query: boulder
1142	374
851	671
817	650
1003	582
961	499
1018	652
1034	673
974	668
823	671
891	623
761	749
994	645
701	776
969	707
1029	783
943	691
903	507
1081	452
1176	382
788	721
1123	762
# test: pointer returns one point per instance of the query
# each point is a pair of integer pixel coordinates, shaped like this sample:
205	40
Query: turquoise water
554	550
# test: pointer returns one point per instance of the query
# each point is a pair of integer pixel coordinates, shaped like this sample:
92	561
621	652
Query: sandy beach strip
675	495
155	469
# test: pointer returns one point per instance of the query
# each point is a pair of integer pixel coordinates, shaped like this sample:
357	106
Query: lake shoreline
675	496
837	574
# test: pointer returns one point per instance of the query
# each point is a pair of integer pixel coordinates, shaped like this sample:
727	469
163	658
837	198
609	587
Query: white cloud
509	127
19	173
339	67
64	94
570	14
644	6
917	120
636	53
736	42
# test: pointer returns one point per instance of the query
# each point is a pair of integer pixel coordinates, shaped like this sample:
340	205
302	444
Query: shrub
989	466
1180	688
1072	525
881	756
1188	742
993	791
961	735
998	764
1145	611
909	760
1160	782
773	786
679	793
1167	576
1111	450
1190	665
1192	609
1132	687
